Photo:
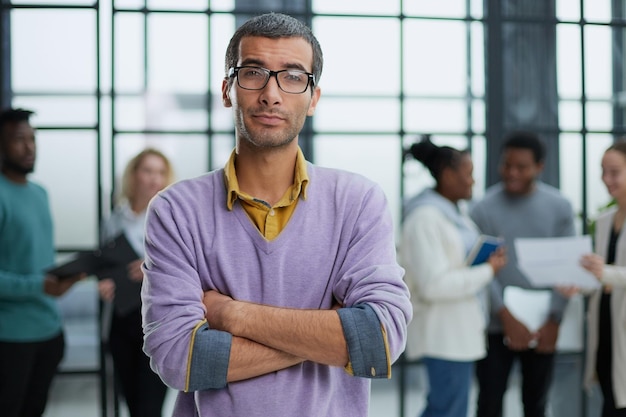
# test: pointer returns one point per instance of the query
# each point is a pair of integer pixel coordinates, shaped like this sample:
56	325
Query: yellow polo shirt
270	220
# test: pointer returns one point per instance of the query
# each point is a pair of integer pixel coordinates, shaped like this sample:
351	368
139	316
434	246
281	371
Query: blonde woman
606	359
145	175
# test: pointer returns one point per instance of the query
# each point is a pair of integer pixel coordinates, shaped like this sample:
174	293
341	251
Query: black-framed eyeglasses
291	81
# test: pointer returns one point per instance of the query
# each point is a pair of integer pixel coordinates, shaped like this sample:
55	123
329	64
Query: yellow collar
298	189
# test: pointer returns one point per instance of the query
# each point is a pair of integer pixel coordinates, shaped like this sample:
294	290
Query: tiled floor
78	396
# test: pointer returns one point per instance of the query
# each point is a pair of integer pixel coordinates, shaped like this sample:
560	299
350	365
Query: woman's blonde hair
128	186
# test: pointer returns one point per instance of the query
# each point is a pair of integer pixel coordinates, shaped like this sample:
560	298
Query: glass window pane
222	28
478	116
129	52
570	174
479	158
597	196
66	166
569	77
440	8
221	148
477	8
371	157
597	10
178	5
598	62
568	10
178	52
56	2
435	68
222	5
478	59
570	115
60	55
364	7
599	116
187	153
367	66
431	116
362	115
129	4
161	112
60	111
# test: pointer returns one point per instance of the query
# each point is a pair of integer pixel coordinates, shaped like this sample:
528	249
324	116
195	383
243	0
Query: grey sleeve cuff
558	303
210	354
367	345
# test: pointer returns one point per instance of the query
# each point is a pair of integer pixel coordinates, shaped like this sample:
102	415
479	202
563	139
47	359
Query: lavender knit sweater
338	244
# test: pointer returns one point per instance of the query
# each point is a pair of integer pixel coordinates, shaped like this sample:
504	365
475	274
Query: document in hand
483	248
549	262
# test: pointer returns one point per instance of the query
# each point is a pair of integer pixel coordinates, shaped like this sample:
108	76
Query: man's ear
226	94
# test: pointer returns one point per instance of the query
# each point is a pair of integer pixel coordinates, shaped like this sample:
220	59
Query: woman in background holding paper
606	319
448	327
145	175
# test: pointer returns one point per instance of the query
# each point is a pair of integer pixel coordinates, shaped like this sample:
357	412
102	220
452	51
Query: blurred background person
31	336
448	327
520	206
145	175
606	317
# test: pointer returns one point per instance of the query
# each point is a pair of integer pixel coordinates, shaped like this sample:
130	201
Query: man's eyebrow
258	63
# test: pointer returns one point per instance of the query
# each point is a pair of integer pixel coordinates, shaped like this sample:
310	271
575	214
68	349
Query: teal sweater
26	249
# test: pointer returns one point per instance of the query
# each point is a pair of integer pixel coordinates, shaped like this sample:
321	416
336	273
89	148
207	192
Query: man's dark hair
274	26
13	116
522	139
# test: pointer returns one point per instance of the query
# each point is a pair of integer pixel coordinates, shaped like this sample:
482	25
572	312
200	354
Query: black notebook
109	261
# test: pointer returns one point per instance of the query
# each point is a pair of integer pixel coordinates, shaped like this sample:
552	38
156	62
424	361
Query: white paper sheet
549	262
532	307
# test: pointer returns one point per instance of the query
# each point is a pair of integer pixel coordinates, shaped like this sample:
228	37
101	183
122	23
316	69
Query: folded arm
314	335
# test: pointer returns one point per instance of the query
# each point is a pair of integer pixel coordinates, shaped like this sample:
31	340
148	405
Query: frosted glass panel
478	59
599	116
570	115
435	58
598	62
60	111
363	64
569	59
129	52
179	5
597	10
362	115
161	112
60	55
66	166
356	6
431	116
439	8
178	53
568	10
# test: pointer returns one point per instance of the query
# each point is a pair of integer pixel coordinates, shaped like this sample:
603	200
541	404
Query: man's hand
56	287
547	336
215	305
134	270
106	288
517	336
